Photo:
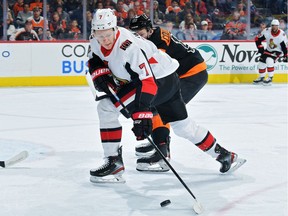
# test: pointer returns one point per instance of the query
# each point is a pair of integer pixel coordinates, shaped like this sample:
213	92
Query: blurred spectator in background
120	13
162	5
55	3
127	5
187	20
18	6
109	4
49	11
211	6
57	26
200	8
25	34
241	8
36	3
170	27
186	10
73	7
204	33
139	9
23	15
89	17
74	31
10	25
131	14
99	5
158	15
91	5
190	32
262	27
283	25
235	29
227	6
254	14
173	8
63	14
172	11
36	20
218	19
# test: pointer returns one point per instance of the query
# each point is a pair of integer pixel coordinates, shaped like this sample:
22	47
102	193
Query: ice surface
58	126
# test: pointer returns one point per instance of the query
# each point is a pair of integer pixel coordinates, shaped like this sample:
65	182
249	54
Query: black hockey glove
285	58
142	125
102	77
260	49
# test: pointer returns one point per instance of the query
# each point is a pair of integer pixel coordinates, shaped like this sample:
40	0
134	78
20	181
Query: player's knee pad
108	114
261	66
188	129
270	62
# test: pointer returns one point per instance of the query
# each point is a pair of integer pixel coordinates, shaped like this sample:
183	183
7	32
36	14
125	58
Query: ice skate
147	149
268	81
153	163
111	171
258	81
229	160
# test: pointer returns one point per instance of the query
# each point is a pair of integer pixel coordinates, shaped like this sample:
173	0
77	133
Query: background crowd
186	19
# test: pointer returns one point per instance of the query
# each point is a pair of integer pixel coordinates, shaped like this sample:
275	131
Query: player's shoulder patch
125	44
165	36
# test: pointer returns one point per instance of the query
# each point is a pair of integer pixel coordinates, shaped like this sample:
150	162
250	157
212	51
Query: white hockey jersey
273	41
131	53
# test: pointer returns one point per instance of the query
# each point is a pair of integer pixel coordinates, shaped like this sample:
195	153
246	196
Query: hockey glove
102	77
260	49
142	125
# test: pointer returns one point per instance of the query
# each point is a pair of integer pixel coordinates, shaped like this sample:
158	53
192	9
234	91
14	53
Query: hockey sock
160	137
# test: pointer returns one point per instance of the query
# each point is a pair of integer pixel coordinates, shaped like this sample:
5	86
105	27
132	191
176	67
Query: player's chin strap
96	94
196	206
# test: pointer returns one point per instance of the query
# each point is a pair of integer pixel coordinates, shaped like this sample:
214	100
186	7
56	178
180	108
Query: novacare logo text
238	55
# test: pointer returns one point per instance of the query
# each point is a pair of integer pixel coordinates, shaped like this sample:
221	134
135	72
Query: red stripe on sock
262	70
207	142
114	134
270	69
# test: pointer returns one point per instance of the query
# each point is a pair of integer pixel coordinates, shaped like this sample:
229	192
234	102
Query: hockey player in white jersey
145	81
125	62
276	41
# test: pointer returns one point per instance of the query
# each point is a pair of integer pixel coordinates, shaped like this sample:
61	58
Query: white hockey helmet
104	19
275	22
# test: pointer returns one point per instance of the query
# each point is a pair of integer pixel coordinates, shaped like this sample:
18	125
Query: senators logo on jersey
125	44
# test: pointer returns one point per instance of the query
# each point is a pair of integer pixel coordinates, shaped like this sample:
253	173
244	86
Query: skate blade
260	83
267	84
107	179
236	165
156	167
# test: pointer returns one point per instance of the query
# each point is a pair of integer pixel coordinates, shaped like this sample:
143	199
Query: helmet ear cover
140	22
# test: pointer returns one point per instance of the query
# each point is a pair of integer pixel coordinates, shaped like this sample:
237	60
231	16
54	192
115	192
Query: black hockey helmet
140	22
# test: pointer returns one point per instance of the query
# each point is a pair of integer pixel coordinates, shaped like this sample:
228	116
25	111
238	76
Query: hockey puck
165	203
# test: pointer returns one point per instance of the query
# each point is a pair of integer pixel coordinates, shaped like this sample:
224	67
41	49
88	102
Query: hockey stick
15	159
197	207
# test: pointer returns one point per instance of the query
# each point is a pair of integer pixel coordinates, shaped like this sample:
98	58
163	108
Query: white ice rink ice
58	126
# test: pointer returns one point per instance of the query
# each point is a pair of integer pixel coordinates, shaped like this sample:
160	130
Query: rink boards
65	63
